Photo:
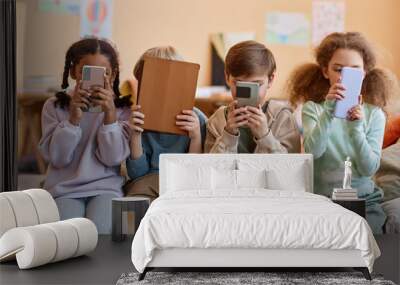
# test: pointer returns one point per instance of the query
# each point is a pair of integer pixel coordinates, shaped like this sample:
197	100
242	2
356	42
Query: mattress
250	219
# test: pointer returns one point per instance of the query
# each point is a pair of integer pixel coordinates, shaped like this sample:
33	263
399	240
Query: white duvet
253	218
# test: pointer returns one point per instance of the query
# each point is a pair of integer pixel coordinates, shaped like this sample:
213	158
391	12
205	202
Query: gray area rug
228	278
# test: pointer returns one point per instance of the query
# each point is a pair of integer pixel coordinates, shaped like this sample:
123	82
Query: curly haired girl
360	136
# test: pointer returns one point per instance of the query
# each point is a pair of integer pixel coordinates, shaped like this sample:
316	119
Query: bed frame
240	259
249	259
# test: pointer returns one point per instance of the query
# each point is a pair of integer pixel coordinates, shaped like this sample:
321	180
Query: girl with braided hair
84	149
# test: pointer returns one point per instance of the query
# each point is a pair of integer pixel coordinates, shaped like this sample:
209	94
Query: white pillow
282	174
223	179
228	179
292	179
251	178
188	177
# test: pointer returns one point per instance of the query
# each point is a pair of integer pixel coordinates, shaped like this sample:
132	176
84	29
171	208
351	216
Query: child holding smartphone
331	140
146	146
269	127
85	149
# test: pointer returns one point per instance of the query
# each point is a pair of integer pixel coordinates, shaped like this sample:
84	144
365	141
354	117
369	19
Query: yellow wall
187	24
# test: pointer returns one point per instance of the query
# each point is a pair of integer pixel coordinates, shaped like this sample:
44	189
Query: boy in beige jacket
268	128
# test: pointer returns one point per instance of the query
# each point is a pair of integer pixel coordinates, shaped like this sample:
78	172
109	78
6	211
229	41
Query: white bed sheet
250	218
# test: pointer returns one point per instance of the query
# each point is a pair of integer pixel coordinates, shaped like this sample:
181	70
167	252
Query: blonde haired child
146	146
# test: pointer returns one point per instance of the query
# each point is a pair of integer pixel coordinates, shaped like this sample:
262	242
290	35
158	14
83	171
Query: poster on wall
96	18
287	28
328	17
71	7
233	38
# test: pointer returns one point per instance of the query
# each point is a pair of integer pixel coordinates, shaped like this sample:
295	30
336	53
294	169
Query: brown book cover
167	87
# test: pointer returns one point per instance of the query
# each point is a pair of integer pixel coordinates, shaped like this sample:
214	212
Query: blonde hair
307	82
164	52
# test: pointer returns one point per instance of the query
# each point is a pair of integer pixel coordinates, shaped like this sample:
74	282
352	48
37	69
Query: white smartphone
93	76
247	93
352	79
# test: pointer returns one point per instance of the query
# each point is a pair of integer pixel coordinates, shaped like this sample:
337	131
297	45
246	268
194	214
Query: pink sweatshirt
83	160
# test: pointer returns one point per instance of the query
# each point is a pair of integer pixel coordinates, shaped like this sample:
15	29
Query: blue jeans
96	208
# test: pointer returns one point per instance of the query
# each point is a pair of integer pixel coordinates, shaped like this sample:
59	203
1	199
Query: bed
246	211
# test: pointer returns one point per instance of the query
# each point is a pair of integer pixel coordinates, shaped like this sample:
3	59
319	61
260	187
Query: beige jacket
283	137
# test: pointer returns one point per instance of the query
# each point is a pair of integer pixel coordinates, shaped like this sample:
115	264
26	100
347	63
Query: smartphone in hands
247	94
93	76
352	79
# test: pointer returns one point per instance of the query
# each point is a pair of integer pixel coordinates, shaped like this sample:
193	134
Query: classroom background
201	30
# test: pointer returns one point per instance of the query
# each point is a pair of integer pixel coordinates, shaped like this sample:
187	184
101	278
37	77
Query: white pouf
31	233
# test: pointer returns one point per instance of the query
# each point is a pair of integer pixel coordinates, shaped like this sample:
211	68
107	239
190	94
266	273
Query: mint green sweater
331	140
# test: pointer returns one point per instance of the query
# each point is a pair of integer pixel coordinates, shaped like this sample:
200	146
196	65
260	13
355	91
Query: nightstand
355	205
121	208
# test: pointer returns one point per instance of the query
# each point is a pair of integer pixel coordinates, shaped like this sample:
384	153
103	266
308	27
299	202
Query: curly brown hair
307	82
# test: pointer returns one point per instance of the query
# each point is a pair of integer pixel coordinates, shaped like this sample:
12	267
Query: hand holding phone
79	102
335	92
356	113
351	80
236	117
257	122
93	76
